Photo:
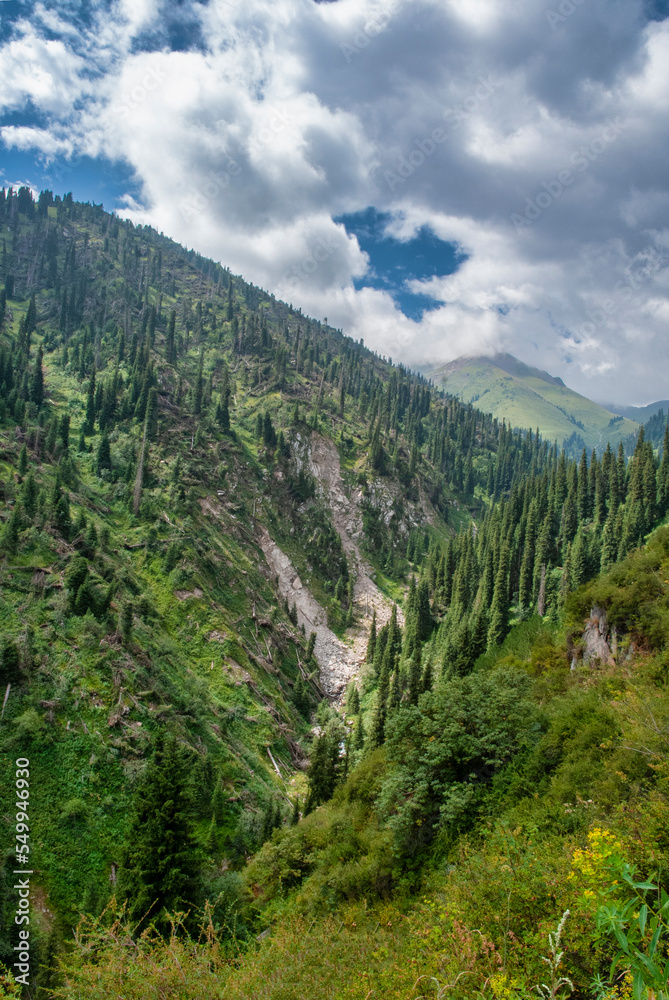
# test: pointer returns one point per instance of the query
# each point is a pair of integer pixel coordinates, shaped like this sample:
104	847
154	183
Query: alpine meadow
332	685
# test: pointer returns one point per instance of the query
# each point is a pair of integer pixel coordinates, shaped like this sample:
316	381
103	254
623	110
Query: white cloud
289	113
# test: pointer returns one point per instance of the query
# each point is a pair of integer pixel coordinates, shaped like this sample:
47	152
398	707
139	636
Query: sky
438	177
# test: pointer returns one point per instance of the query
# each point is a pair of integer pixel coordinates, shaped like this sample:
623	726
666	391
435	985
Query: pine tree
371	641
415	676
427	679
499	611
218	803
160	860
199	387
663	476
211	842
103	457
359	733
126	620
90	405
170	343
424	623
10	662
152	414
60	510
10	534
64	431
23	461
323	767
29	494
36	387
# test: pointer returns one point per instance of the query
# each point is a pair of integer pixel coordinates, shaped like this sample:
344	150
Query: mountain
639	414
528	397
315	679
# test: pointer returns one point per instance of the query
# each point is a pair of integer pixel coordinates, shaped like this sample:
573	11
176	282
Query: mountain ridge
529	397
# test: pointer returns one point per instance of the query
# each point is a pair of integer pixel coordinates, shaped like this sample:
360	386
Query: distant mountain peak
525	396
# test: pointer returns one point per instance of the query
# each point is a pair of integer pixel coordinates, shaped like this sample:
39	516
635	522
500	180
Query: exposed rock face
595	639
338	663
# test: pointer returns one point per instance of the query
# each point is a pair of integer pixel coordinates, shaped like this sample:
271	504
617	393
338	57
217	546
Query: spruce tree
424	623
29	495
499	611
359	733
90	405
36	387
10	534
218	803
103	458
152	414
126	620
10	662
415	676
160	859
371	641
170	343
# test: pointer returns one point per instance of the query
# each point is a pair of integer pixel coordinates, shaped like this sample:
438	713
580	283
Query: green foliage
445	750
159	868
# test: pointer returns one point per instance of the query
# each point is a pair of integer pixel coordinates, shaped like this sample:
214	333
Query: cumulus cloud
533	137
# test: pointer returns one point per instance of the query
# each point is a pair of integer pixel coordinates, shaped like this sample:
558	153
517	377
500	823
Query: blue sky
395	264
438	178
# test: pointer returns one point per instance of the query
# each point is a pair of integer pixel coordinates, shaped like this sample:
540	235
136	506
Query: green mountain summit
528	397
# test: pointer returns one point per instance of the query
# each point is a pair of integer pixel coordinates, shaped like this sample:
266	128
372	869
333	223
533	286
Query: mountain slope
527	397
639	414
206	498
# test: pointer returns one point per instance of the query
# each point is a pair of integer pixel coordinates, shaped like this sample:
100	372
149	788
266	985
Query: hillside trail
339	661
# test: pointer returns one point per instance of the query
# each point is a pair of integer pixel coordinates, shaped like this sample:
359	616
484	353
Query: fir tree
159	864
103	457
218	803
152	414
211	841
415	676
424	622
170	343
10	534
90	405
36	388
10	662
29	495
126	620
371	641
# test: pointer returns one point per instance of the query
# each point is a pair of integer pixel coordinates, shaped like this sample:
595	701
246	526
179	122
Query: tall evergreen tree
160	860
36	389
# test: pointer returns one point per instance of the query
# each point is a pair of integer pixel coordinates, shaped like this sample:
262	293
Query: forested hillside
260	586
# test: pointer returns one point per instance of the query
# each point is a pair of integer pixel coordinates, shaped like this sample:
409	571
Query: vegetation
491	768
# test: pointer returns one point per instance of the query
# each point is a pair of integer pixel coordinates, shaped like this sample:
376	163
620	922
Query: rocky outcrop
596	647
